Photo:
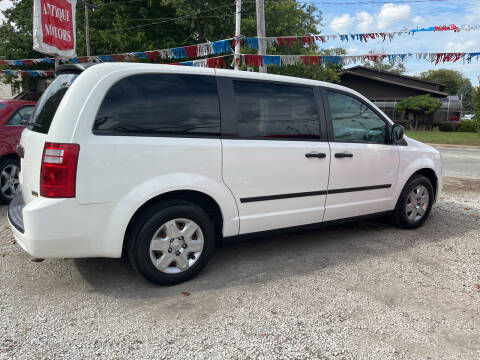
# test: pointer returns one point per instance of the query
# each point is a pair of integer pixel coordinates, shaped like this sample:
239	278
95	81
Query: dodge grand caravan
157	162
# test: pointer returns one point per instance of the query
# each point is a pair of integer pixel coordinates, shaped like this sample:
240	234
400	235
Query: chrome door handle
343	155
315	154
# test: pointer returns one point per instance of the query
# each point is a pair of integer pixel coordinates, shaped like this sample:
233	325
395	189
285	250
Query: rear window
160	104
47	105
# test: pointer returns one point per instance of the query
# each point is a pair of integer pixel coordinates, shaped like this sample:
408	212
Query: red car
12	115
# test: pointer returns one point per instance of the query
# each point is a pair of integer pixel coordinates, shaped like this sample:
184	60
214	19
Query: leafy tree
451	78
128	26
418	105
466	94
394	66
476	104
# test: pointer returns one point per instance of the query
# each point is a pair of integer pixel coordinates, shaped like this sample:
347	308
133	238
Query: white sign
54	27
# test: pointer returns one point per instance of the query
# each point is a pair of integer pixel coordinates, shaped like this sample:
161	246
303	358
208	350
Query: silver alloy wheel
176	246
417	203
9	181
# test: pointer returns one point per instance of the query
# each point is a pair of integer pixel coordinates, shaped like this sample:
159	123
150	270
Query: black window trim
229	122
16	111
147	133
328	115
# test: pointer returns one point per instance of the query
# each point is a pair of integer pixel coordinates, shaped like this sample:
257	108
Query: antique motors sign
54	27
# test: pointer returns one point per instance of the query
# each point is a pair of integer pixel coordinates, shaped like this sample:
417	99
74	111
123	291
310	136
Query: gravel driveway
360	291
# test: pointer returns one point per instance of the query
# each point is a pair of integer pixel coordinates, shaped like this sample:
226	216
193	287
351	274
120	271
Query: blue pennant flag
271	60
221	46
141	55
179	53
252	43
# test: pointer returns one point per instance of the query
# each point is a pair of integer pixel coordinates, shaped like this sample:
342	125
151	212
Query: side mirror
398	131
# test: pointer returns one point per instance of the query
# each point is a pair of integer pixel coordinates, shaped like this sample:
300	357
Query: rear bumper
61	228
15	213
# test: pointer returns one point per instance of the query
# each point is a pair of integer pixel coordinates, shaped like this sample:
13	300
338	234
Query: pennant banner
226	46
309	40
192	51
32	73
286	60
282	60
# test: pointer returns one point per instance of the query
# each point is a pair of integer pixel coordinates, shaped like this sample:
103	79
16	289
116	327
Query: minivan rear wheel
9	183
171	242
415	202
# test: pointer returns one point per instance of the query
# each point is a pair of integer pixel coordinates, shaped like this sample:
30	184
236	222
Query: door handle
315	154
343	155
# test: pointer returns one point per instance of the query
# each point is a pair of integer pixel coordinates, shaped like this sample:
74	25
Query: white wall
5	91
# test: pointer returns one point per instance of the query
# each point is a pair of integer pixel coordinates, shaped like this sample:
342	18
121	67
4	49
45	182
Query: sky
364	18
397	15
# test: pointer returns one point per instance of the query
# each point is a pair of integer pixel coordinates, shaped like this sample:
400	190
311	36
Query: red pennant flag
216	63
118	57
311	60
308	40
192	51
253	60
283	41
152	55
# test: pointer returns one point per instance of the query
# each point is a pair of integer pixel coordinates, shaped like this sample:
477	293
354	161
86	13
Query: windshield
47	105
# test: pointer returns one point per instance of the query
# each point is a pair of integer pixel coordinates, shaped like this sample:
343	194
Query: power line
164	21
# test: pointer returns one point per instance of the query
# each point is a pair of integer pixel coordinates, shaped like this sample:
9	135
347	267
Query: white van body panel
116	175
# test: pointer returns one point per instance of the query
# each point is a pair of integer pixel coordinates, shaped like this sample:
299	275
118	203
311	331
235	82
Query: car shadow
257	260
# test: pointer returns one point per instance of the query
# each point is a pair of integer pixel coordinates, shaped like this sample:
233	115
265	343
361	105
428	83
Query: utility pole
87	33
57	64
238	19
262	49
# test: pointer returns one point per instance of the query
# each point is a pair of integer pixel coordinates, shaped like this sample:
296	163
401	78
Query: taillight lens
59	170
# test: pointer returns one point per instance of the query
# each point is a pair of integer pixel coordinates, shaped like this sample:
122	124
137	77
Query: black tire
148	223
400	213
6	196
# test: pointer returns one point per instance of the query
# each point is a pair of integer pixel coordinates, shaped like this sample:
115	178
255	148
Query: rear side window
2	106
48	103
354	121
21	115
275	111
171	104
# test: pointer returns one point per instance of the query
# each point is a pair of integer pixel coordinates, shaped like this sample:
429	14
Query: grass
454	138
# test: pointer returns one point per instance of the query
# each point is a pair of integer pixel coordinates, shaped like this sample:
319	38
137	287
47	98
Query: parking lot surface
361	291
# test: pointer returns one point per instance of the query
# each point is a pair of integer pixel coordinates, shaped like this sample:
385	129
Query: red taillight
59	170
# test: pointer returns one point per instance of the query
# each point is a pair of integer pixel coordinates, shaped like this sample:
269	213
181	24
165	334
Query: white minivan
158	162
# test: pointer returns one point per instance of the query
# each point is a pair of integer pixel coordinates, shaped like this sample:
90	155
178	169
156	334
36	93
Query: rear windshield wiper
30	123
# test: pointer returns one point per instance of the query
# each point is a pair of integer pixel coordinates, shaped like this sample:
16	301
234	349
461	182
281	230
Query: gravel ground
360	291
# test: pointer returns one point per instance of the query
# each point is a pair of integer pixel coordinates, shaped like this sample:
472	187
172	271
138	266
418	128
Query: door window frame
229	123
328	115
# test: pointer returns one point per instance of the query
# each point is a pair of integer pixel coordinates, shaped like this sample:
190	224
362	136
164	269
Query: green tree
128	26
451	78
465	93
476	104
394	66
419	106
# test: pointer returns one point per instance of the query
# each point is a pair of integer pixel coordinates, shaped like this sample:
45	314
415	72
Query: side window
160	104
21	115
266	110
354	121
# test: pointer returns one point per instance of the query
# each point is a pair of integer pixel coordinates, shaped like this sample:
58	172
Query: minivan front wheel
171	243
415	202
